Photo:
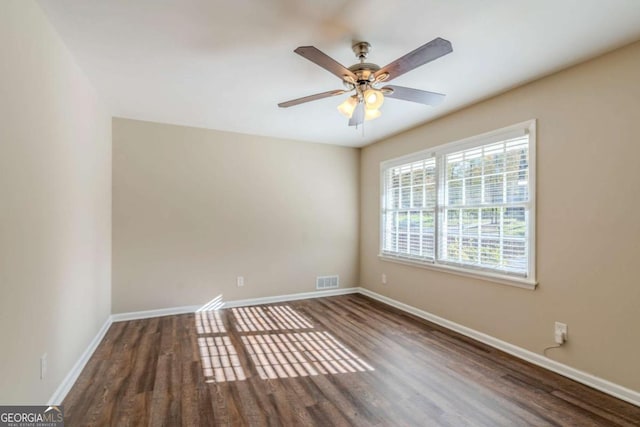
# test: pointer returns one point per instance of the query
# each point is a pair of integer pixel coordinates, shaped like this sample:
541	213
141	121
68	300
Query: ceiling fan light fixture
373	99
371	114
347	107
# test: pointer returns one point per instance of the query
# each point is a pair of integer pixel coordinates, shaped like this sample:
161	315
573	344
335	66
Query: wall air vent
327	282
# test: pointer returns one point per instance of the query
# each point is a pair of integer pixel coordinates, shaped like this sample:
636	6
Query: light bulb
370	114
373	99
347	107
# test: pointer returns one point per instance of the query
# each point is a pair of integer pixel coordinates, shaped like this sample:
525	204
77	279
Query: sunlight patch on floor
301	354
209	322
271	318
220	360
296	350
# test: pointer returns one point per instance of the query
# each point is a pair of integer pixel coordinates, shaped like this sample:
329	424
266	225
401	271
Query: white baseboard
291	297
148	314
603	385
68	381
120	317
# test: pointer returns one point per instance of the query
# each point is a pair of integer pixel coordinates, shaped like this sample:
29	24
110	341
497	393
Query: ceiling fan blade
414	95
426	53
311	98
322	59
357	118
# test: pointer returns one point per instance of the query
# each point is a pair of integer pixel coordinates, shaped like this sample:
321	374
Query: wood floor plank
340	361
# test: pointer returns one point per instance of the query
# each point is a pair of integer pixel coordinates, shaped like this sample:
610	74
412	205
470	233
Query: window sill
481	275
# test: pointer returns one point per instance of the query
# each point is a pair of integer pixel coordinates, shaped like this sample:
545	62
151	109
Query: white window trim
508	132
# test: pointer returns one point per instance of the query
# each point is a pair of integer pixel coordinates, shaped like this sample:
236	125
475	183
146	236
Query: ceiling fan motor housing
364	71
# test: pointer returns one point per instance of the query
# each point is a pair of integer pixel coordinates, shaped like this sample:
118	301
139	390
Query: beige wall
55	207
588	225
193	209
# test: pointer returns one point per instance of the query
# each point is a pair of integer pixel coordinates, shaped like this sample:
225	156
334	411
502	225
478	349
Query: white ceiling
226	64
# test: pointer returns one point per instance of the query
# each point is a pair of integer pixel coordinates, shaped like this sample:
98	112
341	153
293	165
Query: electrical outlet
560	333
240	281
43	366
384	279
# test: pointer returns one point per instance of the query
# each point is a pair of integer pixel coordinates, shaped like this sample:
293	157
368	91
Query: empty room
348	212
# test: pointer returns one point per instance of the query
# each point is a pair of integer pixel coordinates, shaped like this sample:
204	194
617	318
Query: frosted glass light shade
347	107
373	99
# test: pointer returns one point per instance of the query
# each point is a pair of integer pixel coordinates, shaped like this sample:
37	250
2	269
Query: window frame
529	281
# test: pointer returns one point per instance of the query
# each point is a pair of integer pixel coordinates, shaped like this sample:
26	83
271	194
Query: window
466	207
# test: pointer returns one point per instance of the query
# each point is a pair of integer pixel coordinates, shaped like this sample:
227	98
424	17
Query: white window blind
466	205
409	213
485	212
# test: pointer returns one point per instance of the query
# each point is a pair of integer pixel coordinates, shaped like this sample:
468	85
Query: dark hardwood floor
345	360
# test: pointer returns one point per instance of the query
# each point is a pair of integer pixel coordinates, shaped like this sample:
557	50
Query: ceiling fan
366	79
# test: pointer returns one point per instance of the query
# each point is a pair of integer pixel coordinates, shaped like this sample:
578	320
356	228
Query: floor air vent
327	282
